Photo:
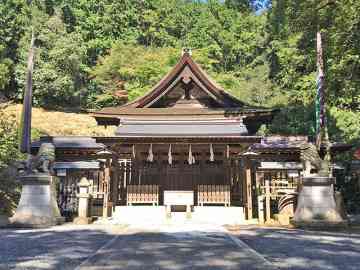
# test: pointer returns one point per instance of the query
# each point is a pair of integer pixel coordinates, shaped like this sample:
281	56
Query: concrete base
283	219
316	204
219	215
82	220
139	214
37	206
4	221
156	215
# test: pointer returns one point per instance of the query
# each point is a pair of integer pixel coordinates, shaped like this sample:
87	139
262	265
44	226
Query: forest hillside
95	53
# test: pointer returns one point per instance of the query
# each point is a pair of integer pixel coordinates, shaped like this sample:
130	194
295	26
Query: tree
59	71
14	16
8	139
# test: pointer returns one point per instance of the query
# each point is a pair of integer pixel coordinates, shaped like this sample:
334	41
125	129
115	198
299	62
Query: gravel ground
183	246
304	250
62	247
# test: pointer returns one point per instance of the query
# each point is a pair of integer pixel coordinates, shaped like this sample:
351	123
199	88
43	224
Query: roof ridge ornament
186	51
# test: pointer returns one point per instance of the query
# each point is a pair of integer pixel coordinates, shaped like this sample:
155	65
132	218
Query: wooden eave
178	140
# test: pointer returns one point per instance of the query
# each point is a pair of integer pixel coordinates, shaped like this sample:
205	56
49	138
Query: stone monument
38	206
316	205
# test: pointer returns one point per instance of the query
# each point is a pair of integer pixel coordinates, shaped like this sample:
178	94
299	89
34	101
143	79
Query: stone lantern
84	199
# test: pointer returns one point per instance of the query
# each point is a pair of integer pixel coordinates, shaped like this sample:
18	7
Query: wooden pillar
248	191
115	181
267	199
106	189
260	198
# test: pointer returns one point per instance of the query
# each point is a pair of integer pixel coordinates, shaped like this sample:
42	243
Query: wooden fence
213	194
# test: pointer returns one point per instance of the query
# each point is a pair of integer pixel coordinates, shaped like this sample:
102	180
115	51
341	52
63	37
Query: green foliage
292	57
132	68
13	22
347	123
8	139
90	51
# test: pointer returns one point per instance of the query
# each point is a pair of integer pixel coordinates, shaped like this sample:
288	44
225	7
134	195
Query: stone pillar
37	206
316	203
261	209
84	199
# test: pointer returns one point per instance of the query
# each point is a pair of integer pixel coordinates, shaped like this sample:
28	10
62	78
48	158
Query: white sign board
61	172
178	197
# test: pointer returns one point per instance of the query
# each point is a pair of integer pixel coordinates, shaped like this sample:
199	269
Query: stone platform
37	206
316	204
156	215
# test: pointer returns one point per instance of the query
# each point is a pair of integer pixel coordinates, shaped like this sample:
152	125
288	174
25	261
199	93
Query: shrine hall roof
112	116
144	129
293	144
69	142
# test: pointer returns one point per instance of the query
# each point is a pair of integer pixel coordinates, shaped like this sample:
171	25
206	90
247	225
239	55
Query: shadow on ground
175	250
74	249
48	248
305	250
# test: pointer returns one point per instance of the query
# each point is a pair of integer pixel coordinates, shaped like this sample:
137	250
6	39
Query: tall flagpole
25	124
322	136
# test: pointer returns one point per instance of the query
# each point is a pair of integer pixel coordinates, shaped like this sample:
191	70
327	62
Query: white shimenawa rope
211	153
191	158
170	155
150	157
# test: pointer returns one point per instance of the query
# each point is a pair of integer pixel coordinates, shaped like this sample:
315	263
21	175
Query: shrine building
187	145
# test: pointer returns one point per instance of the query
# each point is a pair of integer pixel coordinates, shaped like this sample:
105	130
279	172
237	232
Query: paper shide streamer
150	157
191	158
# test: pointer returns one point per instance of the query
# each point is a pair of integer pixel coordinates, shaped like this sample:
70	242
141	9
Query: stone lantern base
37	206
316	205
84	202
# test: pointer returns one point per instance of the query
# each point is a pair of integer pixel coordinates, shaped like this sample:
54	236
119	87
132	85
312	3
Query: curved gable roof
185	70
